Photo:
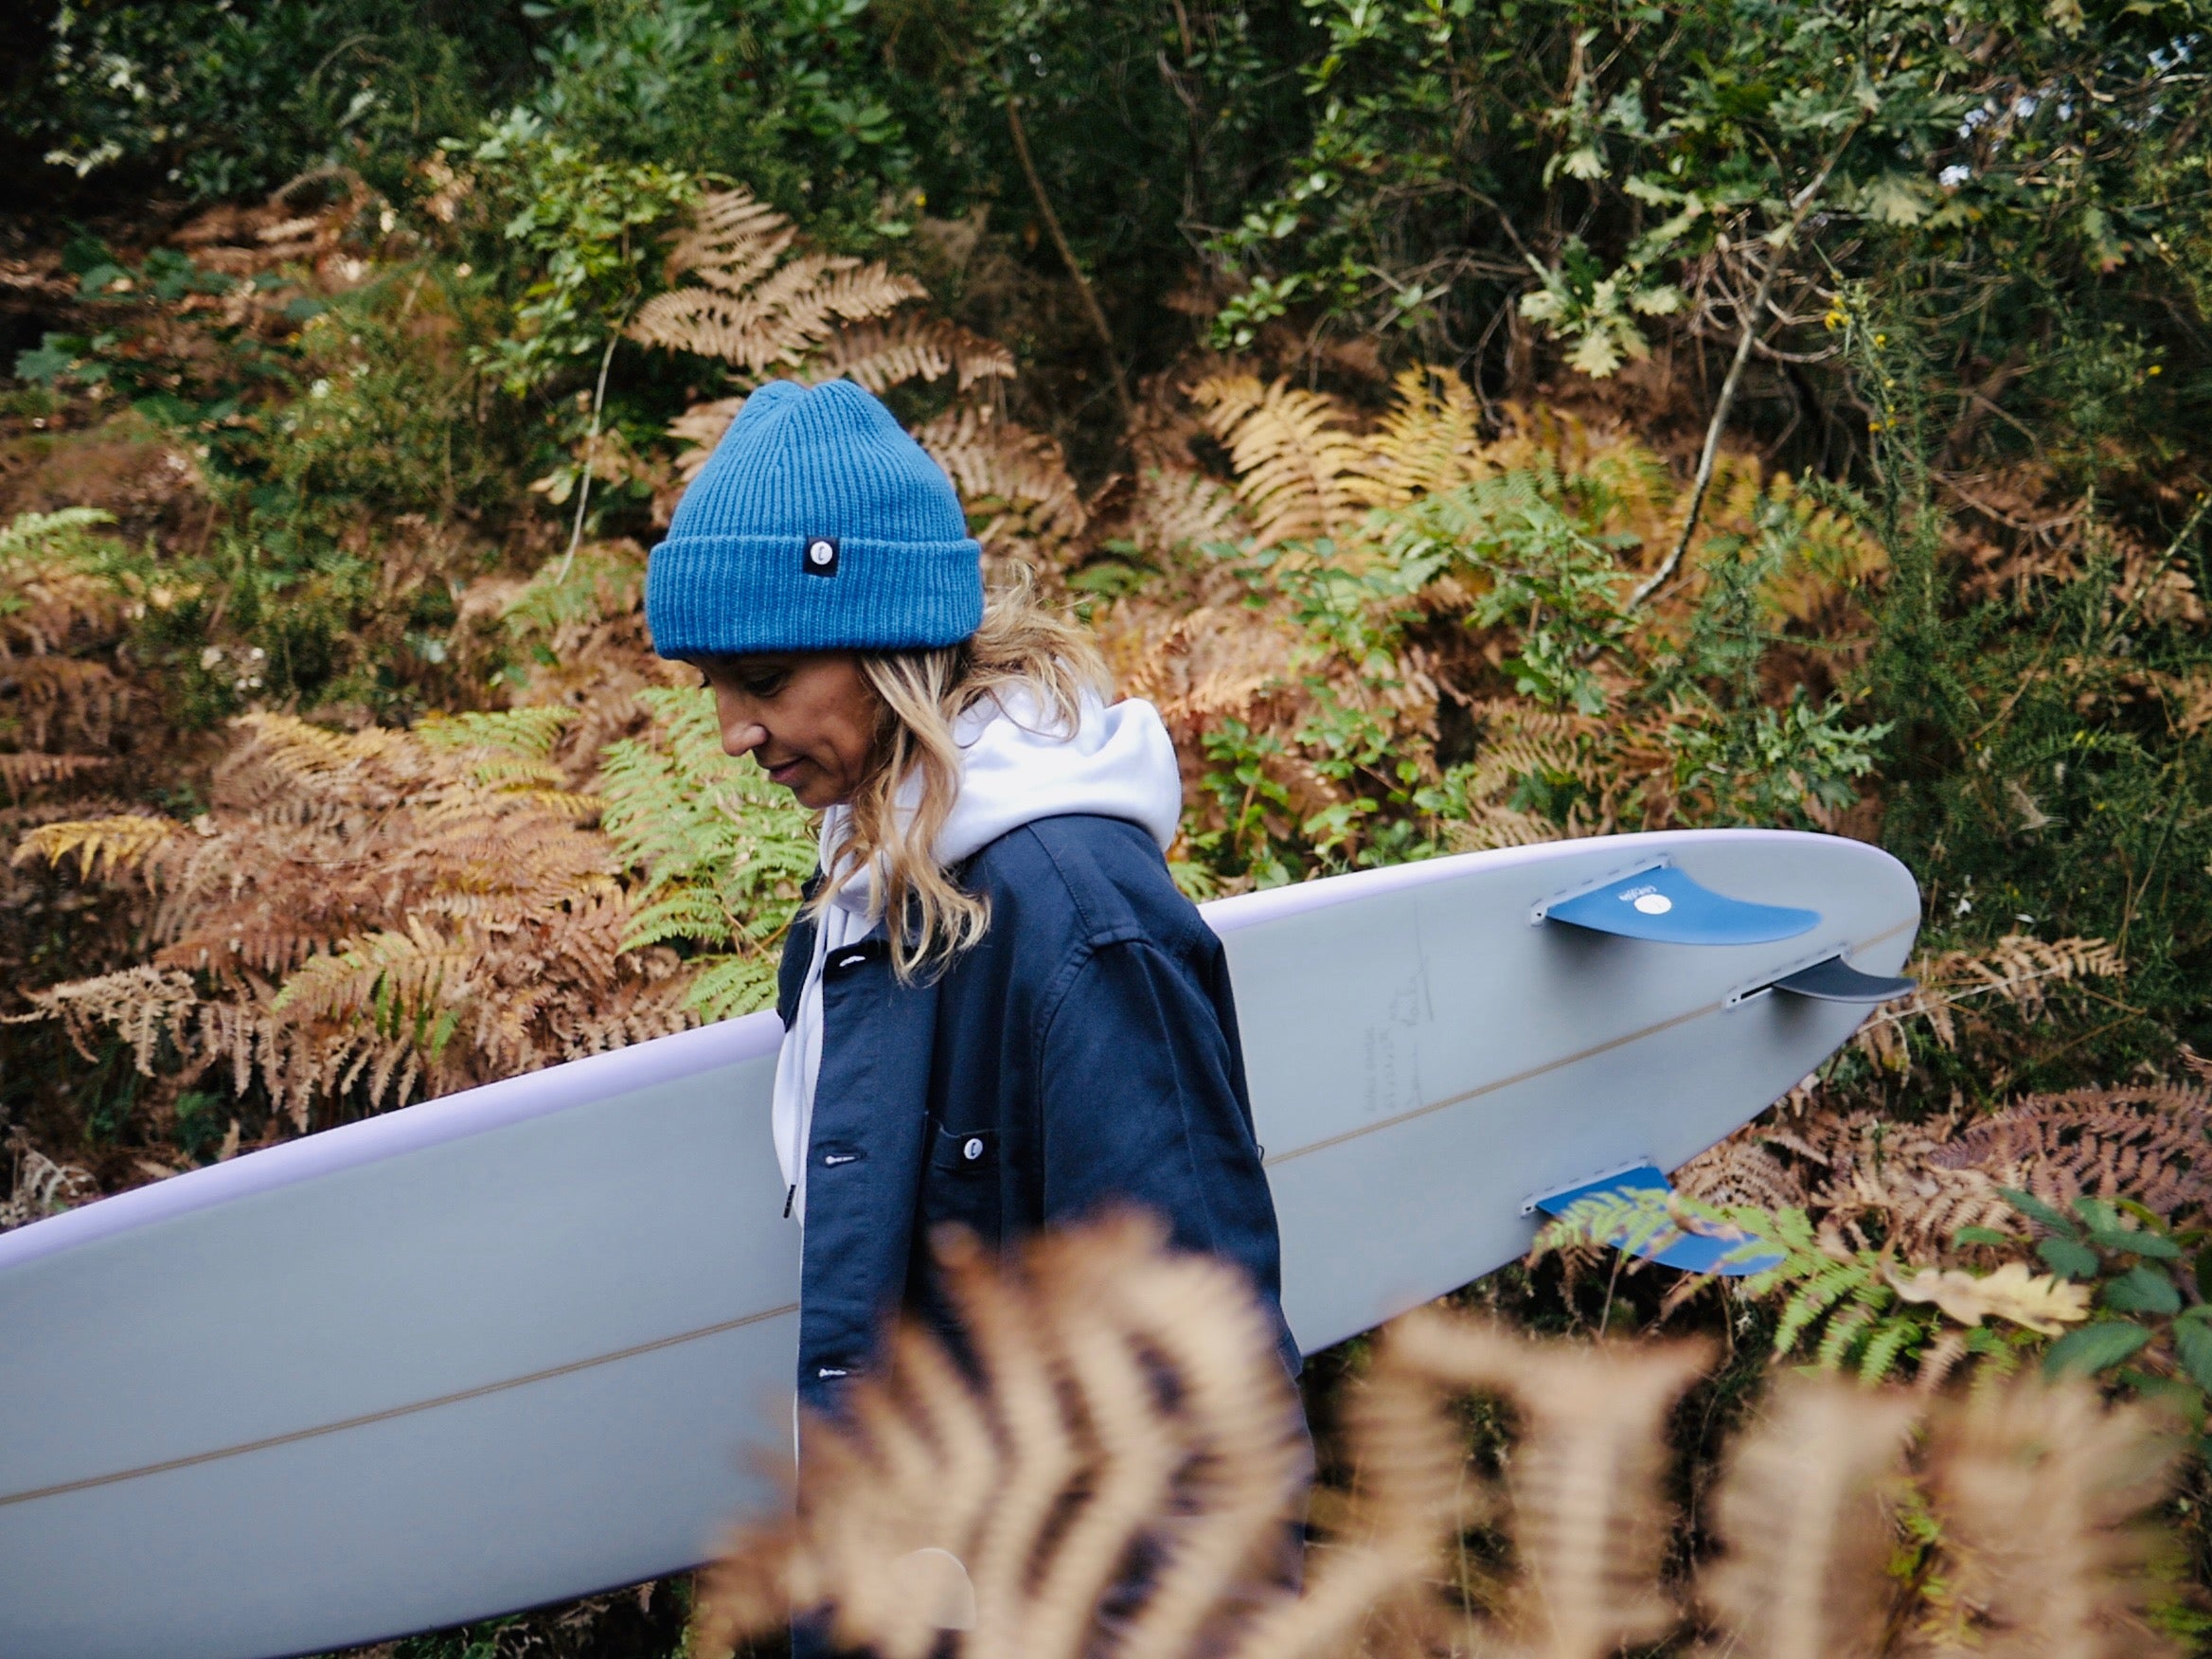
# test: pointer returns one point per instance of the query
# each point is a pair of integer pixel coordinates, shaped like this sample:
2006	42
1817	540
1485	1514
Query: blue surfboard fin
1666	906
1691	1252
1836	980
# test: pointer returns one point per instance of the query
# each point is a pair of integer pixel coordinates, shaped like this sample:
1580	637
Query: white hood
1119	763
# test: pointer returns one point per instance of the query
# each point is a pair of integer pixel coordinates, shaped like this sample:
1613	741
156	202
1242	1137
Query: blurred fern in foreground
1112	1469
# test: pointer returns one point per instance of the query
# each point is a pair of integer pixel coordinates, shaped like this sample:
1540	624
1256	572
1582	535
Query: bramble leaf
2142	1290
2095	1347
2192	1340
2068	1258
2039	1212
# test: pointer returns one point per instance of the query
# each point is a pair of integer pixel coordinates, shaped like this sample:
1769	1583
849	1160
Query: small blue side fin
1836	980
1691	1252
1665	905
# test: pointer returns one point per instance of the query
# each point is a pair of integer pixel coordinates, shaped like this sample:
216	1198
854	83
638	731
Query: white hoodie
1120	764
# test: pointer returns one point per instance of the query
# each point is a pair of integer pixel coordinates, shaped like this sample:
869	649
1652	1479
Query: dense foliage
1471	423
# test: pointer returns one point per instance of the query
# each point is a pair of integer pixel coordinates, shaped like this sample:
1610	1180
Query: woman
998	1010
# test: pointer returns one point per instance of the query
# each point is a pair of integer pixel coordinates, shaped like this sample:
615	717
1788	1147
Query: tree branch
1799	205
591	451
1067	255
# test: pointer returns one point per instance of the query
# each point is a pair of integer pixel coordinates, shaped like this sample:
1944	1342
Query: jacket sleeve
1141	1101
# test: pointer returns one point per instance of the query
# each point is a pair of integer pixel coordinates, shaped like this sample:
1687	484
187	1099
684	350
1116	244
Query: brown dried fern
753	302
1589	1523
1912	1187
102	846
1177	509
373	912
2041	1491
910	348
19	773
777	323
1117	1403
1431	440
39	1187
2151	1143
61	706
1805	1507
1296	456
1013	480
1958	988
1107	1472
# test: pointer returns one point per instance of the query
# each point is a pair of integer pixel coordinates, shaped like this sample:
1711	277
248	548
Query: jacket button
974	1149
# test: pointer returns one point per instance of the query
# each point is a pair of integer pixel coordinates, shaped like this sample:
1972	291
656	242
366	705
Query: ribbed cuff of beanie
734	596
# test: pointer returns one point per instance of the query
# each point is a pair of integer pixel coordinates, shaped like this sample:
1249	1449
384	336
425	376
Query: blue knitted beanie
817	525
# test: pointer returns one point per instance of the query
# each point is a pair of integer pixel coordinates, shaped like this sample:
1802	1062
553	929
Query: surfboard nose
1665	906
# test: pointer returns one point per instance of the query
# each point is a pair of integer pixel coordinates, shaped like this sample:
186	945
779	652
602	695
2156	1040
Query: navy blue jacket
1084	1052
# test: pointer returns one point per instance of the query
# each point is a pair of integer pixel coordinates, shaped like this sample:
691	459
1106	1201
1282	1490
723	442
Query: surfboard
537	1339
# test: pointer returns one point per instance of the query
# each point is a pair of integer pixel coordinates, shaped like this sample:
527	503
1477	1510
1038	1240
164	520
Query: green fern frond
604	579
1841	1333
723	852
687	912
528	733
1805	1309
1841	1304
31	531
1892	1339
725	986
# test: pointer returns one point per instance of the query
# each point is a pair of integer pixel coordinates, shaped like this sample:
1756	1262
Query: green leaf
2095	1213
1584	163
92	284
1896	199
2093	1348
2069	1258
46	362
2177	1396
1595	354
1982	1235
2192	1340
2156	1245
2142	1213
2108	1230
2142	1290
1656	191
2039	1212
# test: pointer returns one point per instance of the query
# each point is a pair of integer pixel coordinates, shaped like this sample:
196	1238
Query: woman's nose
740	733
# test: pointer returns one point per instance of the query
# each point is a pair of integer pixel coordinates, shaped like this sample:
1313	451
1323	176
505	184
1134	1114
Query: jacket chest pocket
962	1182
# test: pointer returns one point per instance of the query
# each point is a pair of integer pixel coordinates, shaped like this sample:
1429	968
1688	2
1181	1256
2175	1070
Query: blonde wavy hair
1023	647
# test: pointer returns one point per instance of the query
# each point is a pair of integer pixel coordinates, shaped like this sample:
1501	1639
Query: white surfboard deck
537	1339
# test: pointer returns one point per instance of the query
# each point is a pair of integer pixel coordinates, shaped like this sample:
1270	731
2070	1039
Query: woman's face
808	718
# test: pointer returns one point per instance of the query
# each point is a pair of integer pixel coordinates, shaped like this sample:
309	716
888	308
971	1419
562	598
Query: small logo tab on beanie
821	555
